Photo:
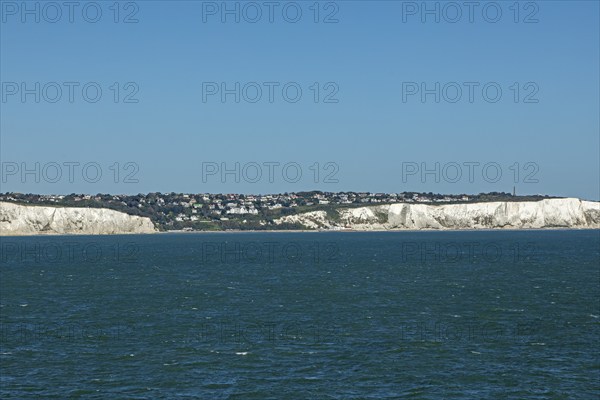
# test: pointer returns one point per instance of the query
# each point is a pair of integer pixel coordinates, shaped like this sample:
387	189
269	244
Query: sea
307	315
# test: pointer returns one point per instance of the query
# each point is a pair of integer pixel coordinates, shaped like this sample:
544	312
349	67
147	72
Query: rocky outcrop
18	220
544	214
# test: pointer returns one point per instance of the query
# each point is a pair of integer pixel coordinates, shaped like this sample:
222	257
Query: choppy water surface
302	316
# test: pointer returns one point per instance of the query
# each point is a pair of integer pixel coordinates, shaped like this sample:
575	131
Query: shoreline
554	214
385	230
306	231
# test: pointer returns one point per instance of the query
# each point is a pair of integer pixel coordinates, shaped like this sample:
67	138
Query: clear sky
373	124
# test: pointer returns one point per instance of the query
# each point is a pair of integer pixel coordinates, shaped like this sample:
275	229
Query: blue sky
370	58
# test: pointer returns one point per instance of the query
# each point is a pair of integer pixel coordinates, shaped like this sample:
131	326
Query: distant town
205	211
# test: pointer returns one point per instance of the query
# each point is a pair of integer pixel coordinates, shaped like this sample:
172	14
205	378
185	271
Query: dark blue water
425	315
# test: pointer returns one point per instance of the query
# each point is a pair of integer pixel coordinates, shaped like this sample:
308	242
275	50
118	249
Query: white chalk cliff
16	220
544	214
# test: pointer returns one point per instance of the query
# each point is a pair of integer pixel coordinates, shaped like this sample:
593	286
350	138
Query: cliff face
550	213
18	220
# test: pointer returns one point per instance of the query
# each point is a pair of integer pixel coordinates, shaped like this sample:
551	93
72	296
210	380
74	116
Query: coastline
349	231
384	230
552	214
